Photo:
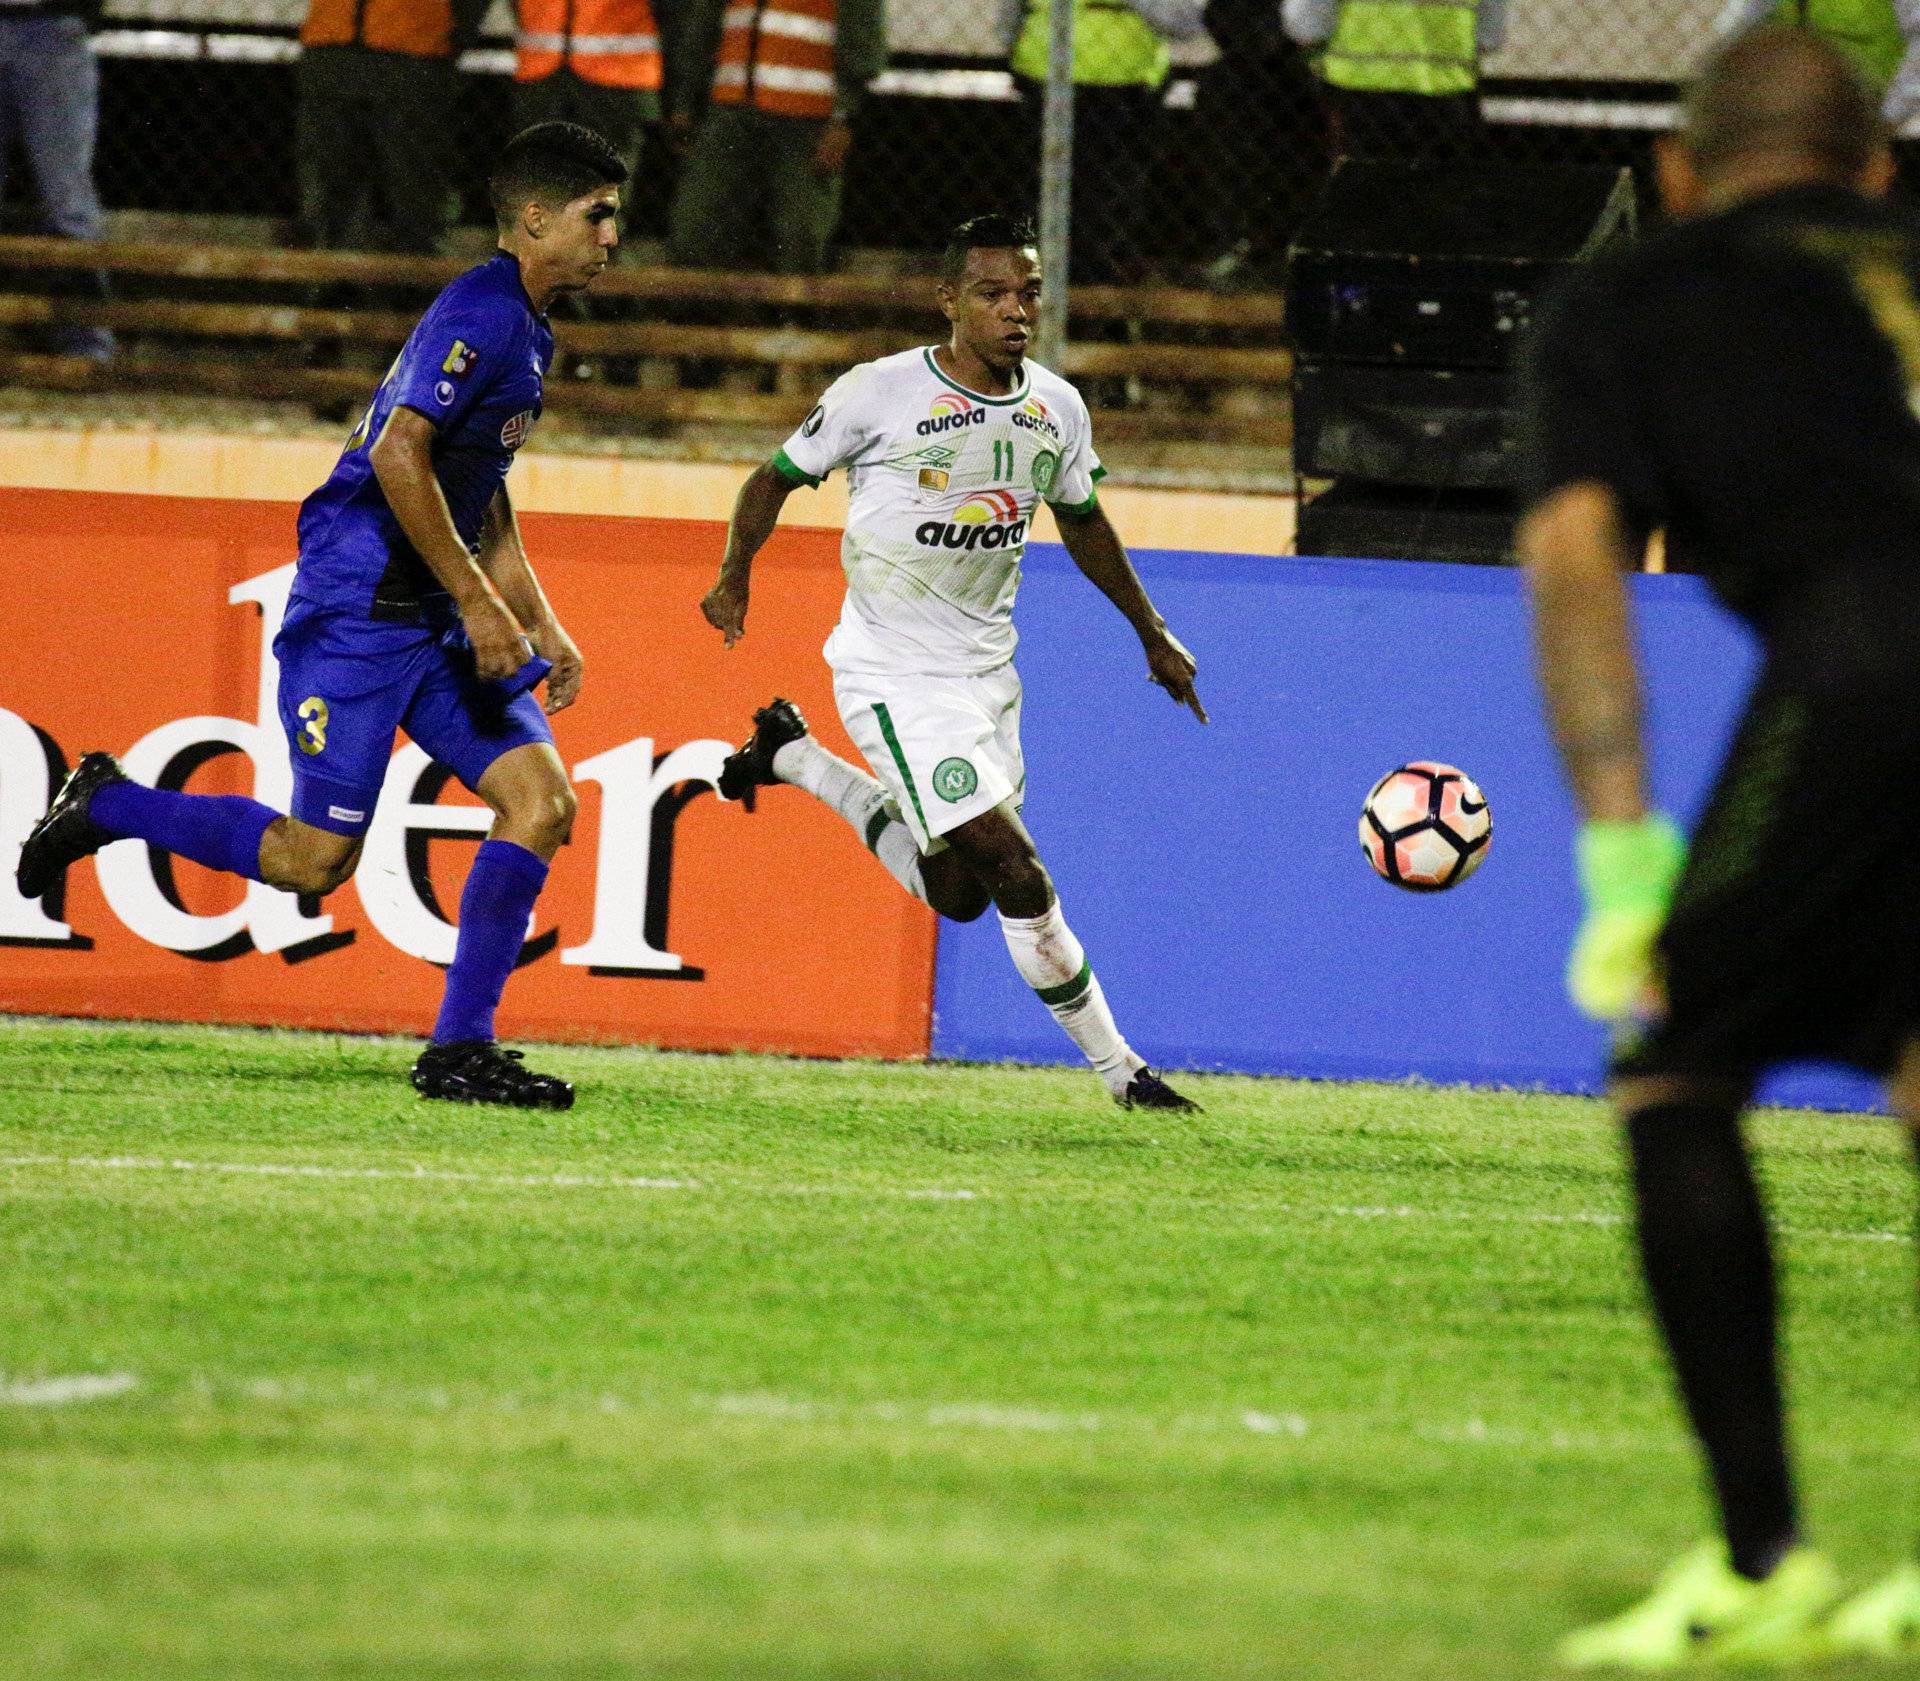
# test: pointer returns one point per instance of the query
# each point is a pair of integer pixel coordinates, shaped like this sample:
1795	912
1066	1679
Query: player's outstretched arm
1096	550
503	557
402	460
1575	548
756	511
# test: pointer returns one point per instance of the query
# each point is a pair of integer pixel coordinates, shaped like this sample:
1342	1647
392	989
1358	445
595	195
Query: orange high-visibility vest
610	42
777	55
423	28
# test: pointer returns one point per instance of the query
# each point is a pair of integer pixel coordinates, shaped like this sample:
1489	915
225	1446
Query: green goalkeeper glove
1627	872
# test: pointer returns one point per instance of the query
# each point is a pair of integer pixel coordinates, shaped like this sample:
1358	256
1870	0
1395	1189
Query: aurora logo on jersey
990	520
1033	415
949	412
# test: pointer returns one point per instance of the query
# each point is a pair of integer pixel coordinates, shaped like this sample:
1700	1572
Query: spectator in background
50	97
781	82
378	91
1120	63
1404	75
1880	39
1262	141
591	62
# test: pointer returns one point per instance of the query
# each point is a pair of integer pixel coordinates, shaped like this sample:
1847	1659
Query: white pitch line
453	1176
1524	1217
618	1182
322	1170
932	1417
65	1391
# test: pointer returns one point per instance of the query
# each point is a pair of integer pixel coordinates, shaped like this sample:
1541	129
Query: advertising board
143	624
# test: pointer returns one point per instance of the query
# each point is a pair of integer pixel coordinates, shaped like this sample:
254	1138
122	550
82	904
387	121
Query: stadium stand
221	321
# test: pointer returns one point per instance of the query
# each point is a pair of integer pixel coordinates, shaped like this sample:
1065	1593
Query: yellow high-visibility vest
1404	46
1865	30
1113	46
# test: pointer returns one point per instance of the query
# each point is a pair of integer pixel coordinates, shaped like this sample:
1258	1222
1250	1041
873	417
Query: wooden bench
234	321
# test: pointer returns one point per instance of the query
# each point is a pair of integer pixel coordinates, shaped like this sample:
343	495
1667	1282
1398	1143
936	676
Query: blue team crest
514	433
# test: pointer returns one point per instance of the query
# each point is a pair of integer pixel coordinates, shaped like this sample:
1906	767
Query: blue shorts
347	683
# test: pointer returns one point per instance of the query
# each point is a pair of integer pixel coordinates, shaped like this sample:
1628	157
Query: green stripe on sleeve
1087	506
1068	991
783	465
900	759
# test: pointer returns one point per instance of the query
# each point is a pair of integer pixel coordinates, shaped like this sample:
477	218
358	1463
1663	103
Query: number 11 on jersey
1003	458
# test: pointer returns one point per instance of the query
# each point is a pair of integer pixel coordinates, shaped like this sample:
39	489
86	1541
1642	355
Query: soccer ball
1425	826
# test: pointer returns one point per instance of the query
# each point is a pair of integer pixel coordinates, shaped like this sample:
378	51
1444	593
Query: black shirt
1748	381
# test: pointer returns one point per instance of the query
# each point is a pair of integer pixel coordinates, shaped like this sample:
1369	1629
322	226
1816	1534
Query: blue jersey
473	366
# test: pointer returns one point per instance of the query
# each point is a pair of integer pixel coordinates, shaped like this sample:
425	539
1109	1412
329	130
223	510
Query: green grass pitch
750	1368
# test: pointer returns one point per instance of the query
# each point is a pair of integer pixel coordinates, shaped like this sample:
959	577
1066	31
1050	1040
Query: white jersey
943	484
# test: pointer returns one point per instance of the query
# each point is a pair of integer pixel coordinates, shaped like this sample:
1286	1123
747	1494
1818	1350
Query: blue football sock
494	907
221	831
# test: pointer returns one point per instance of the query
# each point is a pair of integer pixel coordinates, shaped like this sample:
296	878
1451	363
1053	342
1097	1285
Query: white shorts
945	748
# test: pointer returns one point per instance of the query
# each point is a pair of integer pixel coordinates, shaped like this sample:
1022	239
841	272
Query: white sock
1051	961
860	800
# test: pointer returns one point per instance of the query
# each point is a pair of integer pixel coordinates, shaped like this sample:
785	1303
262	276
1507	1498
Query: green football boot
1882	1621
1702	1612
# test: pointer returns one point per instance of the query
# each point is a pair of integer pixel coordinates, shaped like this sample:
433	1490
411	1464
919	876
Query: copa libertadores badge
954	780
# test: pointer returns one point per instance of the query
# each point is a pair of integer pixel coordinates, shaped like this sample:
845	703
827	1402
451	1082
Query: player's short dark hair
993	232
1778	91
551	164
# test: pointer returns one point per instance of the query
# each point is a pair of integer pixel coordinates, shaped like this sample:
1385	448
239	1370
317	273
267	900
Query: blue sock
221	831
494	907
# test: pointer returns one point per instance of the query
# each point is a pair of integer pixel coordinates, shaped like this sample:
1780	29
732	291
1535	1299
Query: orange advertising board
142	624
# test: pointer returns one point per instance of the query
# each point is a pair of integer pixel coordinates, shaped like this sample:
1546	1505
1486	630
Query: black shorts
1795	932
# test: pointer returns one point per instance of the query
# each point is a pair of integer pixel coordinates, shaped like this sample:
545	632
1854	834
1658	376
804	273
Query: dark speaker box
1388	522
1407	426
1441	263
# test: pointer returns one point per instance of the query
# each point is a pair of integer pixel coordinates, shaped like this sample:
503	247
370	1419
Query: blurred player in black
1747	380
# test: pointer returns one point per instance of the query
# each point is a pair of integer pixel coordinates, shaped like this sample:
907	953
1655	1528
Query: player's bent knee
952	888
960	903
324	874
299	858
1028	877
1002	861
541	821
554	812
530	794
